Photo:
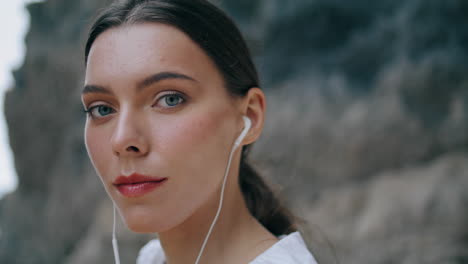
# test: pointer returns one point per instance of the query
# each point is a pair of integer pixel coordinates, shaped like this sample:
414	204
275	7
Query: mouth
137	185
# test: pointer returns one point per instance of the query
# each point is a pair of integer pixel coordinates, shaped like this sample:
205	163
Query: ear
254	105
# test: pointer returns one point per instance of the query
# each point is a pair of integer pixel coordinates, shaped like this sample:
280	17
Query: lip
137	185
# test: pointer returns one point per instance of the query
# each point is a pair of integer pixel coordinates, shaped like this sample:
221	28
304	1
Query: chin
140	222
142	228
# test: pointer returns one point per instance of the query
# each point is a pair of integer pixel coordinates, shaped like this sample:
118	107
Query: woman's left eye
99	111
170	100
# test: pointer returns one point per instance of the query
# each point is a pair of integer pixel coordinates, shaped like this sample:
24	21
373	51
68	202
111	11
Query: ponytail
262	202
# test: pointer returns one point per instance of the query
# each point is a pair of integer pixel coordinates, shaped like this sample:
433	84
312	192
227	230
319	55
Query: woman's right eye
99	111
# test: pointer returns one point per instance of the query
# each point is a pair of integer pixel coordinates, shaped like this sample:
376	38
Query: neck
237	236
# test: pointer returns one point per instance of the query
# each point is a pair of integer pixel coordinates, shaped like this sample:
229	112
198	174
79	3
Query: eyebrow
95	89
148	81
162	76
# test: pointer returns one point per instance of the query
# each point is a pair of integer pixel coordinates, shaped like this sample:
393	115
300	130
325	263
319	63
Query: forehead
138	50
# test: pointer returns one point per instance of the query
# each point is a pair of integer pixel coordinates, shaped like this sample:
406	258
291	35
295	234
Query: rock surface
366	132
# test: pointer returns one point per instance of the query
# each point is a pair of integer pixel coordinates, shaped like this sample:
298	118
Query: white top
290	249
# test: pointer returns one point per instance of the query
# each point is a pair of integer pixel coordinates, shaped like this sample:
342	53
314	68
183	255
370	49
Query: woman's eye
100	111
170	100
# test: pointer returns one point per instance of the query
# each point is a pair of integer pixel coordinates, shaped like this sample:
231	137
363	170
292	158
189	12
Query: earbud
247	124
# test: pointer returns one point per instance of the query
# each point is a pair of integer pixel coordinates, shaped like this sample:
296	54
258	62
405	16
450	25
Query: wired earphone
247	125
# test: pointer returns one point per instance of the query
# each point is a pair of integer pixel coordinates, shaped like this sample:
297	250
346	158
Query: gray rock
412	215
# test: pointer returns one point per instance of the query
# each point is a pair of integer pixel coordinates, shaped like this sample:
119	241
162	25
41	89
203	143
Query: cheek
197	135
97	146
196	153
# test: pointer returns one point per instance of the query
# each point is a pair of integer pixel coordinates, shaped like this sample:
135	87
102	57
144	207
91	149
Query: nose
128	139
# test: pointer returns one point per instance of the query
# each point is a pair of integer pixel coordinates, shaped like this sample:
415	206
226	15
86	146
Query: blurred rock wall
366	133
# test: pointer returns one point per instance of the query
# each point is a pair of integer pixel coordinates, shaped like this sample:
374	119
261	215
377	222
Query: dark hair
219	37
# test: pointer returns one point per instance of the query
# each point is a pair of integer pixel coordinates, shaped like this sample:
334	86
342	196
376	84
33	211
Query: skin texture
135	126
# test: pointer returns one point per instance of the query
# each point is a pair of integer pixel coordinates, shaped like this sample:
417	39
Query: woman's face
157	108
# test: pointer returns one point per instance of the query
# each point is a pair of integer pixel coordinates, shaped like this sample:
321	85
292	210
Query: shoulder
151	253
290	249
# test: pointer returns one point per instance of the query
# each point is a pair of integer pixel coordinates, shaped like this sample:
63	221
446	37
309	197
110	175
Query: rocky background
366	133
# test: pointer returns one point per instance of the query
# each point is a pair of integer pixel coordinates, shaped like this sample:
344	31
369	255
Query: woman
169	87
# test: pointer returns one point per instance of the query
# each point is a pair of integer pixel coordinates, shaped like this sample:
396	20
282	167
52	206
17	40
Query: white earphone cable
114	240
237	143
215	219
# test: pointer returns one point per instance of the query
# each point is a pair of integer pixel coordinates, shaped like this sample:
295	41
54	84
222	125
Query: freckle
200	124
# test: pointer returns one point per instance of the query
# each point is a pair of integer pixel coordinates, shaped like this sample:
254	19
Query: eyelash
182	99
